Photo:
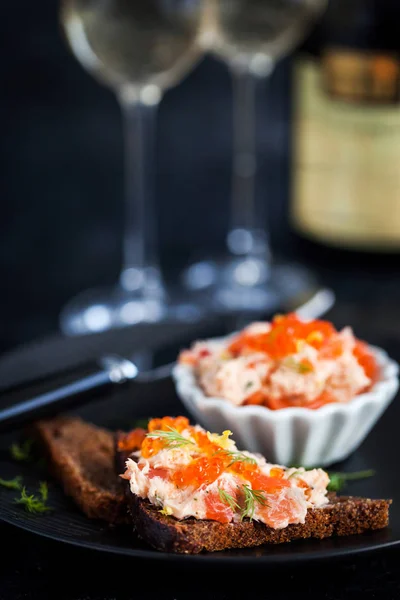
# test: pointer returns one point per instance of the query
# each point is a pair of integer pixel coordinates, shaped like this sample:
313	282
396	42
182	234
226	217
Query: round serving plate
66	523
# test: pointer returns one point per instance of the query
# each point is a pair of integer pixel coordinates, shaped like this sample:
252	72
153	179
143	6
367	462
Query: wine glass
251	36
138	48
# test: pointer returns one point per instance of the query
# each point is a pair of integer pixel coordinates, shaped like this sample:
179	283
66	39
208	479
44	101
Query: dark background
61	174
61	226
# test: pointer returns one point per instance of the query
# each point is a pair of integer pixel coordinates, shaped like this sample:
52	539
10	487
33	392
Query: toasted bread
81	456
86	461
343	516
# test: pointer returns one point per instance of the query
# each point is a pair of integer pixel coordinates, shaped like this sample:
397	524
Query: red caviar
167	423
132	441
283	338
211	462
201	471
255	398
209	457
366	360
153	445
259	481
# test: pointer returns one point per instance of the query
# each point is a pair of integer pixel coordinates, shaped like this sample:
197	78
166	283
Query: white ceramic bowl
293	436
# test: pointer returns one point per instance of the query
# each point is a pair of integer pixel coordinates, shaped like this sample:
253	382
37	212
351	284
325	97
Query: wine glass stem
246	235
140	269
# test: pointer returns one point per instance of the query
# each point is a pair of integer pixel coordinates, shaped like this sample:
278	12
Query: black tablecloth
36	568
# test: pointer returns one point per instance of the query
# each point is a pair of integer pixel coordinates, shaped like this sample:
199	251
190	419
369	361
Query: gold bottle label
346	171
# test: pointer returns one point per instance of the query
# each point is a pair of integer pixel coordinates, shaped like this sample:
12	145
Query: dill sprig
299	367
339	480
172	437
250	499
44	491
228	499
32	503
35	504
236	457
298	472
240	457
12	484
22	452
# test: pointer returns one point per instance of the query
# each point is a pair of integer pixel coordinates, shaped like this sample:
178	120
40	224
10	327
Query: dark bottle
345	183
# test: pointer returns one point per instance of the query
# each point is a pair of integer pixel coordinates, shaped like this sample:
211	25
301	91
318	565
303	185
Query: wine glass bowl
263	31
133	43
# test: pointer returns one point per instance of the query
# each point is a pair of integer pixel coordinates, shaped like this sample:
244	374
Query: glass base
98	310
250	285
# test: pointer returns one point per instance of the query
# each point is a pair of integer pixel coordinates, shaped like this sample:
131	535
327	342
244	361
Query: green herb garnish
250	498
299	367
339	480
236	457
304	368
172	437
295	473
228	499
35	504
22	452
240	457
12	484
44	490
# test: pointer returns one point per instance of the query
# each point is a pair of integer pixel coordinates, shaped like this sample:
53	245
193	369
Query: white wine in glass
139	49
251	36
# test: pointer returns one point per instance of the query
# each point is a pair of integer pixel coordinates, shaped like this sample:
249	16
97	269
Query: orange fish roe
283	337
203	470
255	398
209	460
209	478
324	398
150	445
259	481
166	423
366	360
132	440
284	363
204	443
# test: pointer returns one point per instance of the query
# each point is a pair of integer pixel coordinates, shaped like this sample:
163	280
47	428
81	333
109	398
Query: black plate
68	525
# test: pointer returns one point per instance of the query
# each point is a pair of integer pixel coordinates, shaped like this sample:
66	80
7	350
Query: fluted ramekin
294	436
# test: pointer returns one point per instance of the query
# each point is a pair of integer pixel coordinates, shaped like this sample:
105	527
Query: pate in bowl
299	392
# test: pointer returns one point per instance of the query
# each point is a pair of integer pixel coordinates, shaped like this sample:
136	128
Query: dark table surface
35	568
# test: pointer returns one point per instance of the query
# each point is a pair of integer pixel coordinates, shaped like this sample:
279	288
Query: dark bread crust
344	515
81	457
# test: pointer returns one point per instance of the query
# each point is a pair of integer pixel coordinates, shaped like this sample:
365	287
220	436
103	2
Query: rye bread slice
81	457
343	516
